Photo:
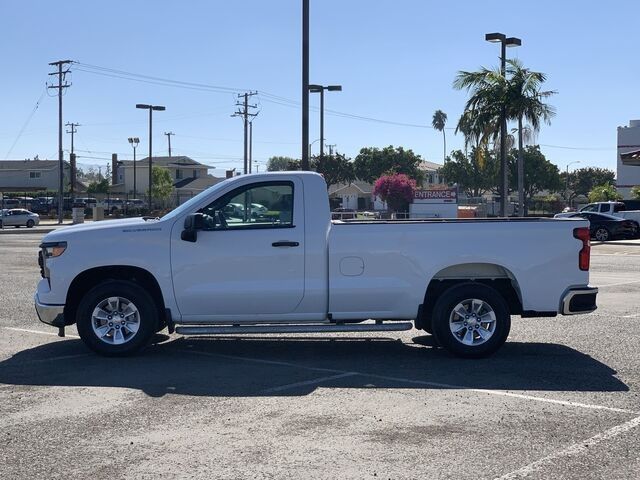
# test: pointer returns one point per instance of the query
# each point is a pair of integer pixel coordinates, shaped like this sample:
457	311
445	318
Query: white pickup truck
617	209
206	269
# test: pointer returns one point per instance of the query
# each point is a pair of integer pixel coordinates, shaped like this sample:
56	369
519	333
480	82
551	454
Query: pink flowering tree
396	190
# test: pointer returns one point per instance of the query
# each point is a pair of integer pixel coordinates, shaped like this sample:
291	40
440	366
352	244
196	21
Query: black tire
601	234
147	315
427	327
30	223
444	310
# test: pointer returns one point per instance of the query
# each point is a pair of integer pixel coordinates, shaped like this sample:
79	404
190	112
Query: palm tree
519	91
526	102
480	122
438	122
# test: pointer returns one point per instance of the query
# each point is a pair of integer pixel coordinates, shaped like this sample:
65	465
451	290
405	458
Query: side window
261	205
590	208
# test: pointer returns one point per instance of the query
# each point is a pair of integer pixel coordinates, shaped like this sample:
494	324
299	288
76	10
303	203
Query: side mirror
192	224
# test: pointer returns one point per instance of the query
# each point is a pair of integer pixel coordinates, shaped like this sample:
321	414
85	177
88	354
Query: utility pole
250	145
60	87
331	147
168	134
245	114
305	85
72	156
72	132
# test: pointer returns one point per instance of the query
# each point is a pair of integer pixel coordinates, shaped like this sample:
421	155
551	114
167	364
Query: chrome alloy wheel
115	320
472	322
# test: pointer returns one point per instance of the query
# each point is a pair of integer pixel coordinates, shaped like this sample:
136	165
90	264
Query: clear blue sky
396	61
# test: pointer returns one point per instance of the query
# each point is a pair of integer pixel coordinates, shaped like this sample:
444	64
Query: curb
25	231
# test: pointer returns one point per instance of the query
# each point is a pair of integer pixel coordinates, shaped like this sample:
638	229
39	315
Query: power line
578	148
266	96
26	124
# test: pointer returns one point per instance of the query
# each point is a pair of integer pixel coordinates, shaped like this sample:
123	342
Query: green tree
480	121
438	122
335	168
635	192
525	102
518	92
583	180
278	164
539	173
162	183
473	177
371	163
604	193
98	186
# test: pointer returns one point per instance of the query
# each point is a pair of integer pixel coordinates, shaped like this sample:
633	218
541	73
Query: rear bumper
579	300
49	314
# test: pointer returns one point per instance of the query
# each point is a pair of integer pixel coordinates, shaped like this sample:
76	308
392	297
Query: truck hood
124	225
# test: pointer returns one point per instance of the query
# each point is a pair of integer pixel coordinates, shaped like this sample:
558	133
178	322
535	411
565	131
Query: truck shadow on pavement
286	366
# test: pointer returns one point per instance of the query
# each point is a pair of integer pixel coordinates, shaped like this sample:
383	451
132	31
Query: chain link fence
45	203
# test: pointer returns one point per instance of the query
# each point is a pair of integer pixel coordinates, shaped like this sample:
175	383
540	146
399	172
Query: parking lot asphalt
560	400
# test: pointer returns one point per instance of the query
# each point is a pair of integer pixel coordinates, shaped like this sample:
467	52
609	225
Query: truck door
249	259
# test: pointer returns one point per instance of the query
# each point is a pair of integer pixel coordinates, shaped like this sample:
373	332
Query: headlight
49	250
53	249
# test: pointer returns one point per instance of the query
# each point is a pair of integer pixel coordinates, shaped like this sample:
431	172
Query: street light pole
134	141
566	186
151	108
320	89
504	171
304	163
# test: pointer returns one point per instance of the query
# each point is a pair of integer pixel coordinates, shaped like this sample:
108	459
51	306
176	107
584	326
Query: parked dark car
607	227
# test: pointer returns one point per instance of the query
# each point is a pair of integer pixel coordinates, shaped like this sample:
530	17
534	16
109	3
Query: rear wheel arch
492	275
88	279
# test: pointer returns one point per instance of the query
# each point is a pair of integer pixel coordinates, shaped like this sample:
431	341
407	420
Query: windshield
189	204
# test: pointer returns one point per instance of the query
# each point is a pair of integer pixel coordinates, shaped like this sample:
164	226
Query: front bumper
50	314
579	300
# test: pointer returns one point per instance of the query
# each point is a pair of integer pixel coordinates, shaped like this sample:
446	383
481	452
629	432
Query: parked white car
296	271
616	209
18	217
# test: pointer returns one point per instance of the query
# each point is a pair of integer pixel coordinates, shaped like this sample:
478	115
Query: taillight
585	253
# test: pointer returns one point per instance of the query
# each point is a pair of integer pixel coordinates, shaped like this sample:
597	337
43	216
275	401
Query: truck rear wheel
116	318
471	320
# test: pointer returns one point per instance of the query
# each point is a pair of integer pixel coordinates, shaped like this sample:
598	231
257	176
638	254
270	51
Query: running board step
329	328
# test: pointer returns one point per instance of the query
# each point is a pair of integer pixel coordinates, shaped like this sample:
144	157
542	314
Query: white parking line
421	382
503	393
575	449
39	332
617	284
308	382
259	360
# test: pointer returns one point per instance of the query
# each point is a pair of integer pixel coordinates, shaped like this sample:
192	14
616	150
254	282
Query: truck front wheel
116	318
471	320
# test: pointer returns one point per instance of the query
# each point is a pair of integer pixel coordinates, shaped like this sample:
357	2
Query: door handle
285	244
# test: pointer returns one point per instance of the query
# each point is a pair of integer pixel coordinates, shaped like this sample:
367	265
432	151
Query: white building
628	171
189	177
